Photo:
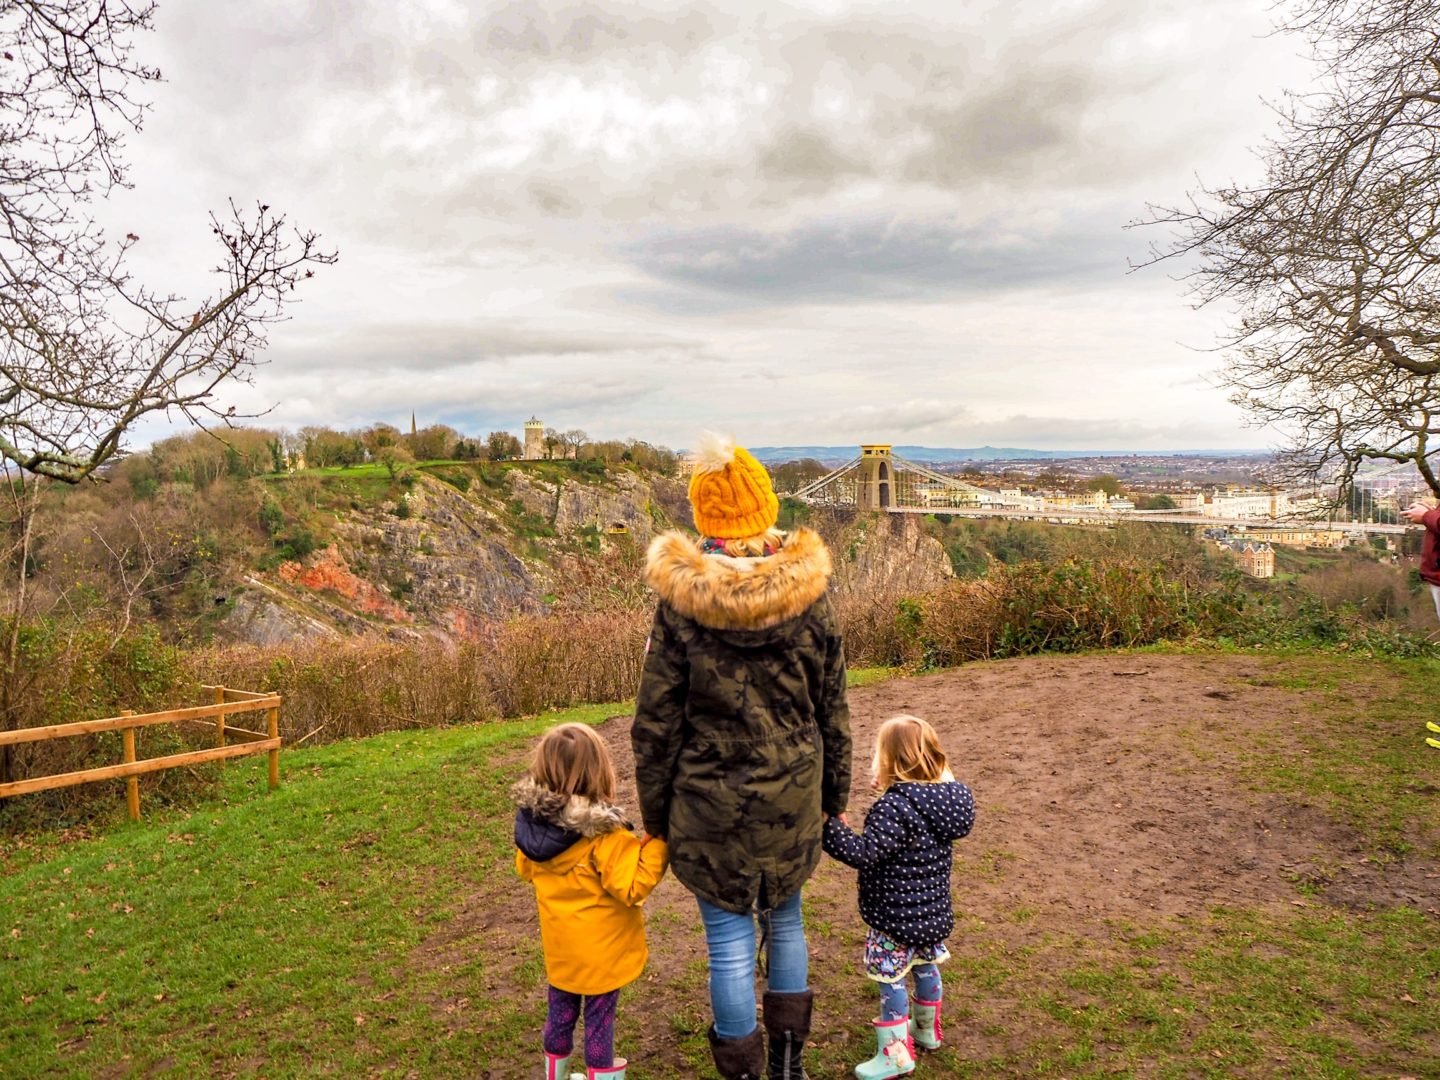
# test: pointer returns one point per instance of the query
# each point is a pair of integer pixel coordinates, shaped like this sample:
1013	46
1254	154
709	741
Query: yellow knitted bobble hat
730	491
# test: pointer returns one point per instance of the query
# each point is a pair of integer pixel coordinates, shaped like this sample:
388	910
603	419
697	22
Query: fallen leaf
1407	997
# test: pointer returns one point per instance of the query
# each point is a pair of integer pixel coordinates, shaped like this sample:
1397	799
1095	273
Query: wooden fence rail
231	742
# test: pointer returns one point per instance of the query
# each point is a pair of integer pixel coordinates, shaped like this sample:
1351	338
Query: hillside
436	549
445	548
1200	865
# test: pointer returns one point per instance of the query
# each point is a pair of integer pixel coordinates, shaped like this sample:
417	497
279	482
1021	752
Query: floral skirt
887	961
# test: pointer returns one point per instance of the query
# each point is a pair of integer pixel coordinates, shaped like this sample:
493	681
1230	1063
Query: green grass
274	929
363	919
1356	748
869	676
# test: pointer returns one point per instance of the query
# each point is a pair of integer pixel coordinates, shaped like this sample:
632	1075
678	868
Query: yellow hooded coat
589	890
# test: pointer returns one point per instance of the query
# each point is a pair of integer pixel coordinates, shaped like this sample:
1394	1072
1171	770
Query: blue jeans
895	1003
730	940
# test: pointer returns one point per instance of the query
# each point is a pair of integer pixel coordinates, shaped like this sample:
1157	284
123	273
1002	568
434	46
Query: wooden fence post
132	783
272	716
220	720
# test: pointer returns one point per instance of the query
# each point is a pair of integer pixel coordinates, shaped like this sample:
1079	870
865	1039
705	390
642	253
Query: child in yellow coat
591	874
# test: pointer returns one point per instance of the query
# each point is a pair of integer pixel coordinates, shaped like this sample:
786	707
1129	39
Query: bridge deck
1108	517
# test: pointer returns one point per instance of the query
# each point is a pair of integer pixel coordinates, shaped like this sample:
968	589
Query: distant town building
1255	558
534	448
1316	538
1247	503
1086	500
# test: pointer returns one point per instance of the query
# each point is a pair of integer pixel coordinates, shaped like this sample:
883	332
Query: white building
1247	504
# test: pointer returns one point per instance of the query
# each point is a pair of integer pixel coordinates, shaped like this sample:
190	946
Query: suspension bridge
878	479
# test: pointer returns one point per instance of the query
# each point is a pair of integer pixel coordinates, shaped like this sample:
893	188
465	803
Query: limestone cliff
439	559
888	554
451	552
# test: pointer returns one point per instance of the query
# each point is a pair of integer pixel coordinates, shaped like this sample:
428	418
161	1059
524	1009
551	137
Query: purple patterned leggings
564	1010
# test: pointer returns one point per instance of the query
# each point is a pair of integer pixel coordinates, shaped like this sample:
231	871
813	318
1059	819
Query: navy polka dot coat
904	858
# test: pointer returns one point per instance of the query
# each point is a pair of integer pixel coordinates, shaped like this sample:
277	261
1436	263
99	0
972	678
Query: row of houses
1227	504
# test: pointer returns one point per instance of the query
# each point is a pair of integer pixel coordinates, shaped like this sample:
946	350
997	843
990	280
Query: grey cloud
473	400
878	260
690	111
437	347
895	421
1071	433
808	155
530	30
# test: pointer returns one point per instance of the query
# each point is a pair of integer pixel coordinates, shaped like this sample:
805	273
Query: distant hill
838	455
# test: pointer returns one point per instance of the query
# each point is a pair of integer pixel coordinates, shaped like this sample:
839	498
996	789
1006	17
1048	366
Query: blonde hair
907	750
572	759
754	546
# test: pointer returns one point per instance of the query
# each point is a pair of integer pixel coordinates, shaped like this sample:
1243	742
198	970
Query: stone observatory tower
534	440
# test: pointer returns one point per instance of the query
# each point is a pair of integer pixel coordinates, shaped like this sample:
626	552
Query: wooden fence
230	742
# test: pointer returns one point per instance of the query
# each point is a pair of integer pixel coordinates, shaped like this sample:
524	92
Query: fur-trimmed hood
728	593
548	823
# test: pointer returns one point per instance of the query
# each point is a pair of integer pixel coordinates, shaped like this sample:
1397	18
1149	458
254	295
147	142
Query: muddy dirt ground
1111	794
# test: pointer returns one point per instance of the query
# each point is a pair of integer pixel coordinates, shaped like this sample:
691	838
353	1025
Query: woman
742	744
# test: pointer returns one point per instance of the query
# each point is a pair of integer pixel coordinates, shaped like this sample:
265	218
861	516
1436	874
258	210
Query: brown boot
787	1022
739	1059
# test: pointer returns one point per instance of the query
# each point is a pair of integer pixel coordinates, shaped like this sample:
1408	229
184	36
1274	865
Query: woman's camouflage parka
742	731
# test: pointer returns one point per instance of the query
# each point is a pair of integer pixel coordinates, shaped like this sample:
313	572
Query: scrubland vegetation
134	579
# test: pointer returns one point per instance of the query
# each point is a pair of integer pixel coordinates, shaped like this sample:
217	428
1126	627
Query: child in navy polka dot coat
904	857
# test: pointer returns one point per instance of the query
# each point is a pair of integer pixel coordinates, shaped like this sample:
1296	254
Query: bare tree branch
1333	264
85	351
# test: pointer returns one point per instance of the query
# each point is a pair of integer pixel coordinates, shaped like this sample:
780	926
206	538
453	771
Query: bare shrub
538	663
336	690
1375	592
871	624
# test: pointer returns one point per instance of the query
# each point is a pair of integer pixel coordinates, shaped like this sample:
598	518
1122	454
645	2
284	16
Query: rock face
447	560
889	553
262	617
441	560
624	502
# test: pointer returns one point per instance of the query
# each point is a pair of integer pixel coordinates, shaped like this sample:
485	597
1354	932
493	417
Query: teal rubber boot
895	1055
615	1072
557	1067
925	1024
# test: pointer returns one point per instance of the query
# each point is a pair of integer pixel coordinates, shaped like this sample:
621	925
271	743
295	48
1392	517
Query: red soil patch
329	572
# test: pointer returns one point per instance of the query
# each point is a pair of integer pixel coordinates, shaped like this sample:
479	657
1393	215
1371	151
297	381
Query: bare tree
85	350
502	445
1333	262
572	440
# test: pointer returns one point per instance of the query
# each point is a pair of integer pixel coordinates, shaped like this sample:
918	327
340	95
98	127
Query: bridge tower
875	487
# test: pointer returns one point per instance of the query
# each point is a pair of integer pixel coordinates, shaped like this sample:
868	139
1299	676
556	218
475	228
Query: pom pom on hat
730	492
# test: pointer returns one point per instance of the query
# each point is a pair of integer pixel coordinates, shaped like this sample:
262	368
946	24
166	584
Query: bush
1040	607
71	671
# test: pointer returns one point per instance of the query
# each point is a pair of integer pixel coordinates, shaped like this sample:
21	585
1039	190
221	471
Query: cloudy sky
804	223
